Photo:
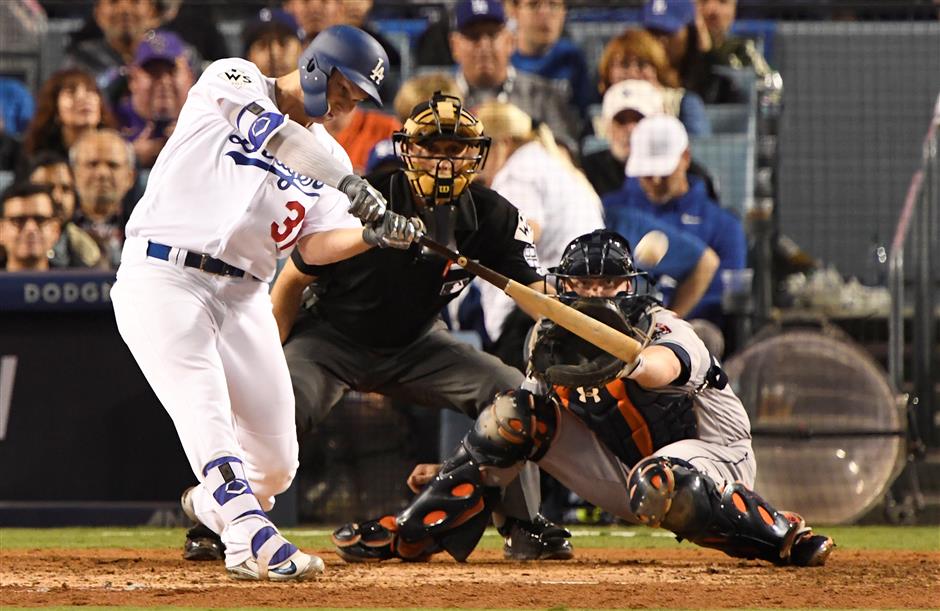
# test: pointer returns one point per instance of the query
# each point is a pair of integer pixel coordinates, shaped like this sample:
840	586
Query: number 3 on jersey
281	231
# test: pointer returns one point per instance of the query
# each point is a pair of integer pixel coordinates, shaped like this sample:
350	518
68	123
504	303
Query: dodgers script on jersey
215	190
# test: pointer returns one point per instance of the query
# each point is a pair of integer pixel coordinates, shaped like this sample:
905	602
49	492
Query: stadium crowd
562	127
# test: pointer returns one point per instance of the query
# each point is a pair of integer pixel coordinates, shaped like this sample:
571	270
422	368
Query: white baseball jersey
214	188
550	194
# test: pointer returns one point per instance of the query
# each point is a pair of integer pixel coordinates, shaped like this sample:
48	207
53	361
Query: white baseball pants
209	347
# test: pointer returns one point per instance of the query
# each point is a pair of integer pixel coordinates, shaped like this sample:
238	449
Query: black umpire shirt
387	298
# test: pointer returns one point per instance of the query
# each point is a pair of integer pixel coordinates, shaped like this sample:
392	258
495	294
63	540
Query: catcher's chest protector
632	422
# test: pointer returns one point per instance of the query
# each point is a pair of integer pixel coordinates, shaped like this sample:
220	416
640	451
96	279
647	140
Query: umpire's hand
367	205
393	230
421	475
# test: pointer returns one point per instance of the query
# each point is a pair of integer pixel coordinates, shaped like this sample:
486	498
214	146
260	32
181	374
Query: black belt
200	261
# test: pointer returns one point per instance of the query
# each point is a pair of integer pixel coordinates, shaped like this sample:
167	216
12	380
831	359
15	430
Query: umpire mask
442	146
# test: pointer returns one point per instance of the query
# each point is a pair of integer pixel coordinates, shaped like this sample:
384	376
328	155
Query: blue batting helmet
356	55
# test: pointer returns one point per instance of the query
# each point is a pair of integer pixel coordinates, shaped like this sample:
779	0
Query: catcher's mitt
564	359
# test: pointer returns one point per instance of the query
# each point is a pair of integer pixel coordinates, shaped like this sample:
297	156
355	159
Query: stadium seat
731	118
730	158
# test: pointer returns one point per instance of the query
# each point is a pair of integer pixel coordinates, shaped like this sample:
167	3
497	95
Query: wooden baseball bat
604	337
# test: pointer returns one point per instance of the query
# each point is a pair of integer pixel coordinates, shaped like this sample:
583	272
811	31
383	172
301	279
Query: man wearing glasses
29	227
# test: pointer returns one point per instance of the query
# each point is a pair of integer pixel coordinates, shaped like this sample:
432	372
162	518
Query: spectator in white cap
625	104
659	183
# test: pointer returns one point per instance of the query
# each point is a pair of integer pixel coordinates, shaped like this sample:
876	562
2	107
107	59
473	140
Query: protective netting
828	430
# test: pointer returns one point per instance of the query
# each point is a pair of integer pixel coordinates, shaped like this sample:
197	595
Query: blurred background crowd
771	141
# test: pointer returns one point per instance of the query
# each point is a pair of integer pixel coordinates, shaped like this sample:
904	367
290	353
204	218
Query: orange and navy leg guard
452	511
671	493
377	540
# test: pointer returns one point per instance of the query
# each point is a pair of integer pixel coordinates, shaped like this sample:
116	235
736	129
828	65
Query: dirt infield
599	578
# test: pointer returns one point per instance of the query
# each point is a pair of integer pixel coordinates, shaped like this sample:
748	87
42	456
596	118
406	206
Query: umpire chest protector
631	421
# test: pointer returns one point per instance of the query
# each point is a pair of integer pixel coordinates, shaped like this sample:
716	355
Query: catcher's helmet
357	55
437	177
599	254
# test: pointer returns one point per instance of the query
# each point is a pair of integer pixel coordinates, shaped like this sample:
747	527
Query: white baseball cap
641	96
656	146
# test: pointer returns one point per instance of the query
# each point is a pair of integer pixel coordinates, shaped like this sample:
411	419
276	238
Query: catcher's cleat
201	542
539	539
374	541
298	567
811	550
807	548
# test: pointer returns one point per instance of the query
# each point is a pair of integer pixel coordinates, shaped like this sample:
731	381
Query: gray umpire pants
436	370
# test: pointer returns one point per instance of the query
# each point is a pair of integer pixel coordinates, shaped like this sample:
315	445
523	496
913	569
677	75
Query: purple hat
270	20
668	15
159	44
469	12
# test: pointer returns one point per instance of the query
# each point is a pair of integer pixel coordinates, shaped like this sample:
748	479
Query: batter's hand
368	205
421	475
393	230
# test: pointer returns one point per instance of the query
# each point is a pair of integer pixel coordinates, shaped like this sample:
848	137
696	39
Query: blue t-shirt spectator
697	214
681	257
17	106
563	62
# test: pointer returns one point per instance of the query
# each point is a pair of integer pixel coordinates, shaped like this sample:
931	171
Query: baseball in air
651	248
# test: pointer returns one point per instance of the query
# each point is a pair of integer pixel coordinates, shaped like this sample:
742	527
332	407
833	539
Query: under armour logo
378	73
594	393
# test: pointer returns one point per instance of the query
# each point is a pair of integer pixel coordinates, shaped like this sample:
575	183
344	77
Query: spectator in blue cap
684	35
272	42
482	45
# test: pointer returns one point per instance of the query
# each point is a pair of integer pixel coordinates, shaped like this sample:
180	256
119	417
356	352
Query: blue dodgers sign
55	291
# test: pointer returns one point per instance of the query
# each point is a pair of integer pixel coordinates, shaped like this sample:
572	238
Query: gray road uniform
603	431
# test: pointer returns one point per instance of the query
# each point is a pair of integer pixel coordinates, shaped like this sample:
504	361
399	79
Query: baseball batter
662	441
248	175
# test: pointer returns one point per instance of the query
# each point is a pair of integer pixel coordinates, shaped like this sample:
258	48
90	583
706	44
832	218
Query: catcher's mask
596	264
443	146
564	359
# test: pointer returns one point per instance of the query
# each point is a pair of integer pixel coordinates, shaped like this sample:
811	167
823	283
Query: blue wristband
263	128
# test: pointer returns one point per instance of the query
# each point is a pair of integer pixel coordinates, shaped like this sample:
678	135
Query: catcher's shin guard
451	512
454	508
377	540
671	493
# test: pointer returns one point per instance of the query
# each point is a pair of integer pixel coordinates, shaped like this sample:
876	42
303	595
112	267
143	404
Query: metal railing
915	265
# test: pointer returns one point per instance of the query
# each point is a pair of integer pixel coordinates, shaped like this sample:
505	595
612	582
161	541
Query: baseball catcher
662	440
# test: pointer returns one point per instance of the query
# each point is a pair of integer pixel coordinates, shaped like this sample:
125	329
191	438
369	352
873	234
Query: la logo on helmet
378	73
